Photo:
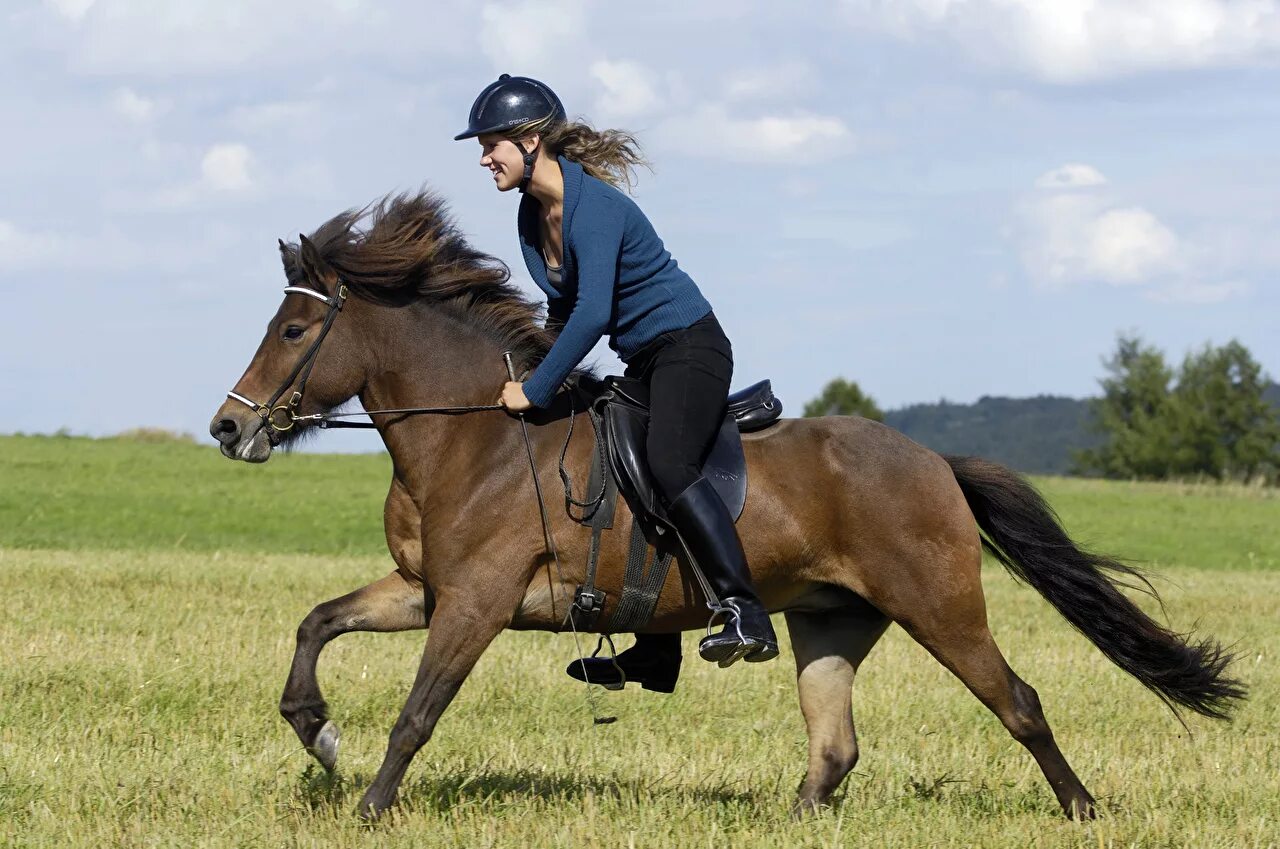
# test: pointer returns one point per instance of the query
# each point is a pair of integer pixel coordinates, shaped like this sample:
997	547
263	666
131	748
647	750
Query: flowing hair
609	155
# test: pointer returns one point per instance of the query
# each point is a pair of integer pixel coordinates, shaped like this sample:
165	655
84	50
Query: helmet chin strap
529	158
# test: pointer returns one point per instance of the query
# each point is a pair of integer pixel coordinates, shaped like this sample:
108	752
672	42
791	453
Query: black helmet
510	102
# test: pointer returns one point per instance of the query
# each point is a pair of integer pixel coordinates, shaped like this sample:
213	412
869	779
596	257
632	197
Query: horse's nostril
228	426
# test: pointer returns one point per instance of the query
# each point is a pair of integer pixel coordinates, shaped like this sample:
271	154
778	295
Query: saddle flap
627	429
726	467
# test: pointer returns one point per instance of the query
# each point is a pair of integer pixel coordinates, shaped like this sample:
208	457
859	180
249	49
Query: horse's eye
293	331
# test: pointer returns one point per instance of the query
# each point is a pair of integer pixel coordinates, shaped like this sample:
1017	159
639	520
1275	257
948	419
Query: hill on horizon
1037	435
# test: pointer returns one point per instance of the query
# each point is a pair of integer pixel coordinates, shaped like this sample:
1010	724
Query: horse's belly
545	605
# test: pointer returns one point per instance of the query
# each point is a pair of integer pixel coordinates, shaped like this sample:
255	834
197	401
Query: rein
282	418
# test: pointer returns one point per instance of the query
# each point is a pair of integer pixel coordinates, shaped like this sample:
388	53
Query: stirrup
733	617
747	648
731	611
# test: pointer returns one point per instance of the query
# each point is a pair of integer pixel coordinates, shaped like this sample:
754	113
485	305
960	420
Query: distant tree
1133	414
843	397
1214	421
1222	423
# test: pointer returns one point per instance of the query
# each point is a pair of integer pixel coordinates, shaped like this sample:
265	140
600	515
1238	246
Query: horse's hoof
371	807
325	747
805	809
1083	809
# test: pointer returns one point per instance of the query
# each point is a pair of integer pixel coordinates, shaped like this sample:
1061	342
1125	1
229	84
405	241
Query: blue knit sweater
617	278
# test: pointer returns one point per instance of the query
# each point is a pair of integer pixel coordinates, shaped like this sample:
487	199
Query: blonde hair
609	155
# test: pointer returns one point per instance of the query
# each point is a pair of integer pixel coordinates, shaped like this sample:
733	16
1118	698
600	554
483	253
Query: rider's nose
226	431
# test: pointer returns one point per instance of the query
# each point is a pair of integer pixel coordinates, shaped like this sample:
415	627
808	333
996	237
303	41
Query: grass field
149	598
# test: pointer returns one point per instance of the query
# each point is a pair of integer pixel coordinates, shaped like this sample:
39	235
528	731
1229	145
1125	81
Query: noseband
281	418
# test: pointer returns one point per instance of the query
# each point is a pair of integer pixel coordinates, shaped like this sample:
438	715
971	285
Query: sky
935	198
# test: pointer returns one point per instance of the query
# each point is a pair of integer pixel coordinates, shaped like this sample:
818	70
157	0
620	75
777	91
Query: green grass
145	640
72	493
137	708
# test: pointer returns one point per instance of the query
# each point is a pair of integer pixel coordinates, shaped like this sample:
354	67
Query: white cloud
72	10
225	167
226	174
131	105
1071	233
783	81
630	89
1070	238
525	36
1129	245
1069	41
159	38
711	131
1073	175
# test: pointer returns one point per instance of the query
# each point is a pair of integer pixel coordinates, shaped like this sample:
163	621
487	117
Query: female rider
605	271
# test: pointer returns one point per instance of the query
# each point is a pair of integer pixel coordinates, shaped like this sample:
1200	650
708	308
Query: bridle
282	418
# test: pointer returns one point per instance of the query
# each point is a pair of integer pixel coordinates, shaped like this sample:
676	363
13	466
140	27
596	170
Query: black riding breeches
688	373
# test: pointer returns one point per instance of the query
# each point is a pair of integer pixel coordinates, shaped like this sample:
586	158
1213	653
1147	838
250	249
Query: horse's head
307	333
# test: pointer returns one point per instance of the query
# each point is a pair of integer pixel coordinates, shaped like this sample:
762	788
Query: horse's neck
427	358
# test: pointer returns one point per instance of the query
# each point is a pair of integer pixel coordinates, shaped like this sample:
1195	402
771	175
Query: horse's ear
307	252
313	265
289	257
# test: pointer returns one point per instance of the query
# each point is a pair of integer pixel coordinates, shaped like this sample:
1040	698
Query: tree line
1209	417
1216	415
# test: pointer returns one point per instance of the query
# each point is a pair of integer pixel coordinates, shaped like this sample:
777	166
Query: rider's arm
596	251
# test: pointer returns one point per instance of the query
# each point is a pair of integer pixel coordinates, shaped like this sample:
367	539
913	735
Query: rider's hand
513	397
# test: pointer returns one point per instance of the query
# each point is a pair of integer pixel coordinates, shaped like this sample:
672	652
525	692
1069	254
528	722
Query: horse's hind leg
389	604
829	646
957	635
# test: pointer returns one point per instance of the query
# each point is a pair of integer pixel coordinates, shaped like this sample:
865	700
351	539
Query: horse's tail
1021	531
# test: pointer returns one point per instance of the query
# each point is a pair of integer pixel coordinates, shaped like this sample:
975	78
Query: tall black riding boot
707	529
653	663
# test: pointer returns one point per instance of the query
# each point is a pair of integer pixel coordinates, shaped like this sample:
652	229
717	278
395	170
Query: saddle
619	409
624	410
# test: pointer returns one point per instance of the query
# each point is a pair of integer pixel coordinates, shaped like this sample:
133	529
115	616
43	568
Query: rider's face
503	159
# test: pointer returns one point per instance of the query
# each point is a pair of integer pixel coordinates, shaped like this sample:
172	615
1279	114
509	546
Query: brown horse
848	524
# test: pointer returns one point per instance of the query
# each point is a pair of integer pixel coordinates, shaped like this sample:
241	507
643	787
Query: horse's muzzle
241	437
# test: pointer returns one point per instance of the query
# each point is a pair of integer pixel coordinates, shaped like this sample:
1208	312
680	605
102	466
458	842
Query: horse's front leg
463	625
389	604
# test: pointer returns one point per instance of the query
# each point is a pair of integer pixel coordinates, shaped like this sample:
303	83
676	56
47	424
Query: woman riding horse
604	270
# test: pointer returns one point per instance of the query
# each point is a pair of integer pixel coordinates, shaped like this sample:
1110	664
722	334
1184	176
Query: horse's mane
406	248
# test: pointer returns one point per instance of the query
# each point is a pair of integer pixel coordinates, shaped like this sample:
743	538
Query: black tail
1024	534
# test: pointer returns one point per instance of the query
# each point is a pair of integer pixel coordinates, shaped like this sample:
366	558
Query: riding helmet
510	102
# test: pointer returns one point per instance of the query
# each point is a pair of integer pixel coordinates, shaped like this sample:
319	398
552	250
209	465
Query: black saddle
620	412
623	406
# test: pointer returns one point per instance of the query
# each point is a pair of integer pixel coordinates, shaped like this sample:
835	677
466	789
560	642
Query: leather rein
282	418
